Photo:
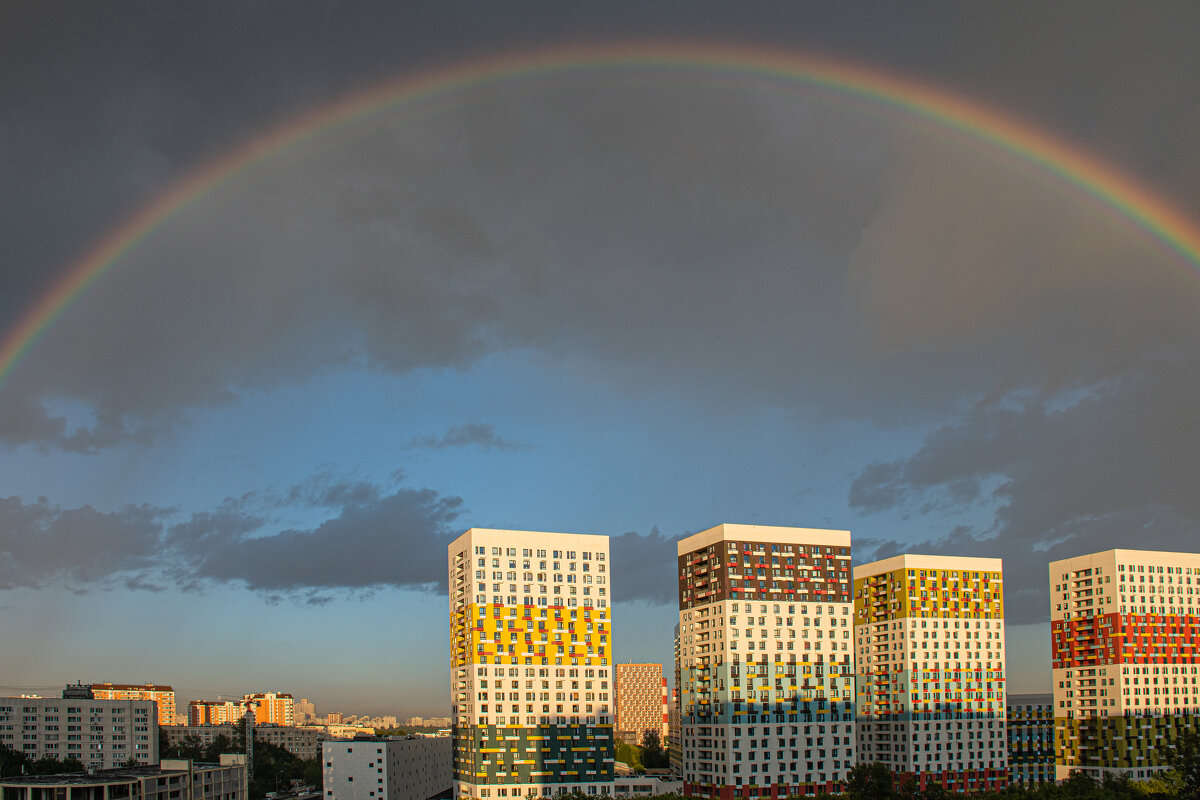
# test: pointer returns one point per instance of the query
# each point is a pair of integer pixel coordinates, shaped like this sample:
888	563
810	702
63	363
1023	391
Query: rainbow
906	96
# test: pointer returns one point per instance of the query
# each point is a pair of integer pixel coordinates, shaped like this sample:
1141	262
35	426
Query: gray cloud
42	543
472	434
375	538
1068	475
644	567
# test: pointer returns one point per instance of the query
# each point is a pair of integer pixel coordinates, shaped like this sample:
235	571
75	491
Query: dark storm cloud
376	537
472	434
387	539
644	568
41	543
1115	467
748	246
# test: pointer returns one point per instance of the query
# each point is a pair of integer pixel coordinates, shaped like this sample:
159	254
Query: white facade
532	693
387	769
102	734
930	649
766	663
1124	657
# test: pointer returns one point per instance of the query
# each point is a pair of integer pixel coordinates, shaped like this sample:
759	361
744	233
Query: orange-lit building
271	708
163	695
214	712
641	702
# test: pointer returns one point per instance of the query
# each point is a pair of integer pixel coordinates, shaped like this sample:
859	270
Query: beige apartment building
642	702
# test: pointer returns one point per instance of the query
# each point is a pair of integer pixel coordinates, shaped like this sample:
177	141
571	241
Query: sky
635	297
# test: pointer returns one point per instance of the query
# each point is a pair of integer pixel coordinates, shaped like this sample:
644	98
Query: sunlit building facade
164	696
929	636
641	702
1125	650
531	664
765	661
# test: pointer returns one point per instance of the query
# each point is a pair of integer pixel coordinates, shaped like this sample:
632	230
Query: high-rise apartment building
641	702
164	696
271	708
214	712
675	723
531	664
102	734
1125	650
305	711
1030	739
929	640
766	664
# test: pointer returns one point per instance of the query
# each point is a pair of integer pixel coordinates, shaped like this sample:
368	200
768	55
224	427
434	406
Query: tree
869	782
1079	786
630	754
1184	757
11	761
934	791
653	755
212	752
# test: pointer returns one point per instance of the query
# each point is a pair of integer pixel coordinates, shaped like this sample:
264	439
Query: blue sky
622	302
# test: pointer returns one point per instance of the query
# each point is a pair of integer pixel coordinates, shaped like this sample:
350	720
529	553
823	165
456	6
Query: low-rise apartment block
300	742
171	780
102	734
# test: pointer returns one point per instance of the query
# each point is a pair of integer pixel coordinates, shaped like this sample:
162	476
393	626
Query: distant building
171	780
1125	655
102	734
164	696
214	712
305	711
1030	739
415	768
674	724
641	702
333	718
300	742
271	708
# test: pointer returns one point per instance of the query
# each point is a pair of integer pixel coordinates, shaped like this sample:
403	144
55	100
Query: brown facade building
641	702
765	662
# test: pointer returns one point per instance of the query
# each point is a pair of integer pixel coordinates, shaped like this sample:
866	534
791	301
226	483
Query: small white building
646	786
415	768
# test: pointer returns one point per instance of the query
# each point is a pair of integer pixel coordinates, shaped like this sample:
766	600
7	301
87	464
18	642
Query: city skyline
290	302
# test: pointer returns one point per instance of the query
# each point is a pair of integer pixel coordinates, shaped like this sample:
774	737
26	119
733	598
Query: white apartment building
531	664
929	640
102	734
766	663
1125	640
414	768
